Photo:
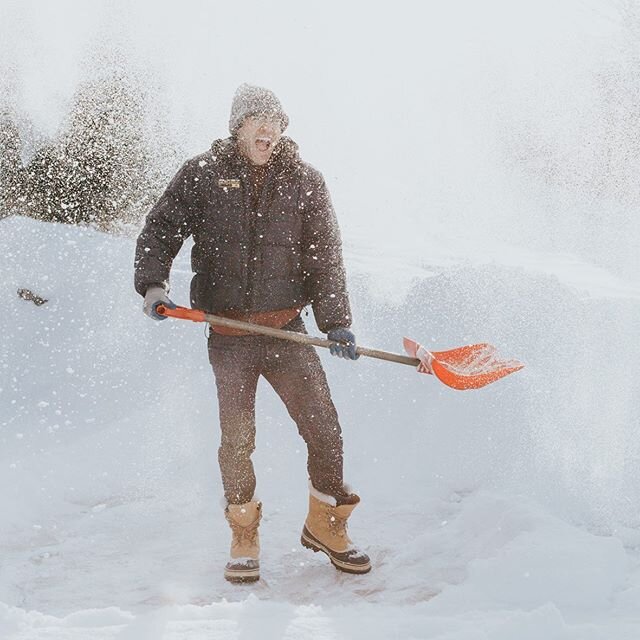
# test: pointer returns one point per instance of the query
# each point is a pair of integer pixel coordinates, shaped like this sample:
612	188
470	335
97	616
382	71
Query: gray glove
154	296
344	343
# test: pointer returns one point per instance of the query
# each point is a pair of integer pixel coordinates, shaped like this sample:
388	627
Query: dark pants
297	376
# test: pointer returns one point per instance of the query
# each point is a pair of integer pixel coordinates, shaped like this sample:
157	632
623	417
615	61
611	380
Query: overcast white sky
404	106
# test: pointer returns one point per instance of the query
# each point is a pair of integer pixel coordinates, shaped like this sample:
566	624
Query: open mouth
263	144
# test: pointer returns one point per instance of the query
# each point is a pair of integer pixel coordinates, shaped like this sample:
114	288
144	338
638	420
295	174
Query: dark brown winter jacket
285	252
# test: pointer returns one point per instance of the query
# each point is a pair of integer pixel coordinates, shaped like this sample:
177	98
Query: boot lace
242	534
337	525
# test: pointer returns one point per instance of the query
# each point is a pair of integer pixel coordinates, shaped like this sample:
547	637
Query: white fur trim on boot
327	499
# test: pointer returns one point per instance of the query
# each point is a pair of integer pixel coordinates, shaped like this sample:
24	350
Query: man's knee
319	418
238	441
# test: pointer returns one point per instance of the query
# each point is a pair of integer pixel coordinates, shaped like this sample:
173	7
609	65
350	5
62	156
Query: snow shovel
469	367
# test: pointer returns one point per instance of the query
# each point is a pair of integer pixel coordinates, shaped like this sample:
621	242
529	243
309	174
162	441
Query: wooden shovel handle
196	315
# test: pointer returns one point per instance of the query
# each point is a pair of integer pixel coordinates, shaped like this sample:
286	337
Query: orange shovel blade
469	367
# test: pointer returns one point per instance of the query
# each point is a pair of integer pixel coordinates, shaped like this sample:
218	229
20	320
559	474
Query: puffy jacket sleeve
166	228
325	277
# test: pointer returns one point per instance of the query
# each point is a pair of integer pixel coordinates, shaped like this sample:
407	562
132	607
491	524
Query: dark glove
344	343
155	296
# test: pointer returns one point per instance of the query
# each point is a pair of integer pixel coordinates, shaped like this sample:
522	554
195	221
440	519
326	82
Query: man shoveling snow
266	244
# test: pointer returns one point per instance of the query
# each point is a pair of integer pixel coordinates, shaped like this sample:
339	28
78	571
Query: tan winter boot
244	519
325	529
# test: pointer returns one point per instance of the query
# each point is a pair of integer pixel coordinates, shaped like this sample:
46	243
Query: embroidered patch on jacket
229	183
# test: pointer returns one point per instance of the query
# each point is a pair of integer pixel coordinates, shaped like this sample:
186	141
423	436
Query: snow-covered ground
508	512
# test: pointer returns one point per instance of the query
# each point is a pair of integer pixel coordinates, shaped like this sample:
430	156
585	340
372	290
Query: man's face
258	137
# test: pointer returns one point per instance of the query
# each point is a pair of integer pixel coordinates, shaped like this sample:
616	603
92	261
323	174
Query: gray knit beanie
255	101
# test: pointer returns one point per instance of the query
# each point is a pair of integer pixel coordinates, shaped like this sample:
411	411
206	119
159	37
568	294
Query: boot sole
310	542
242	576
